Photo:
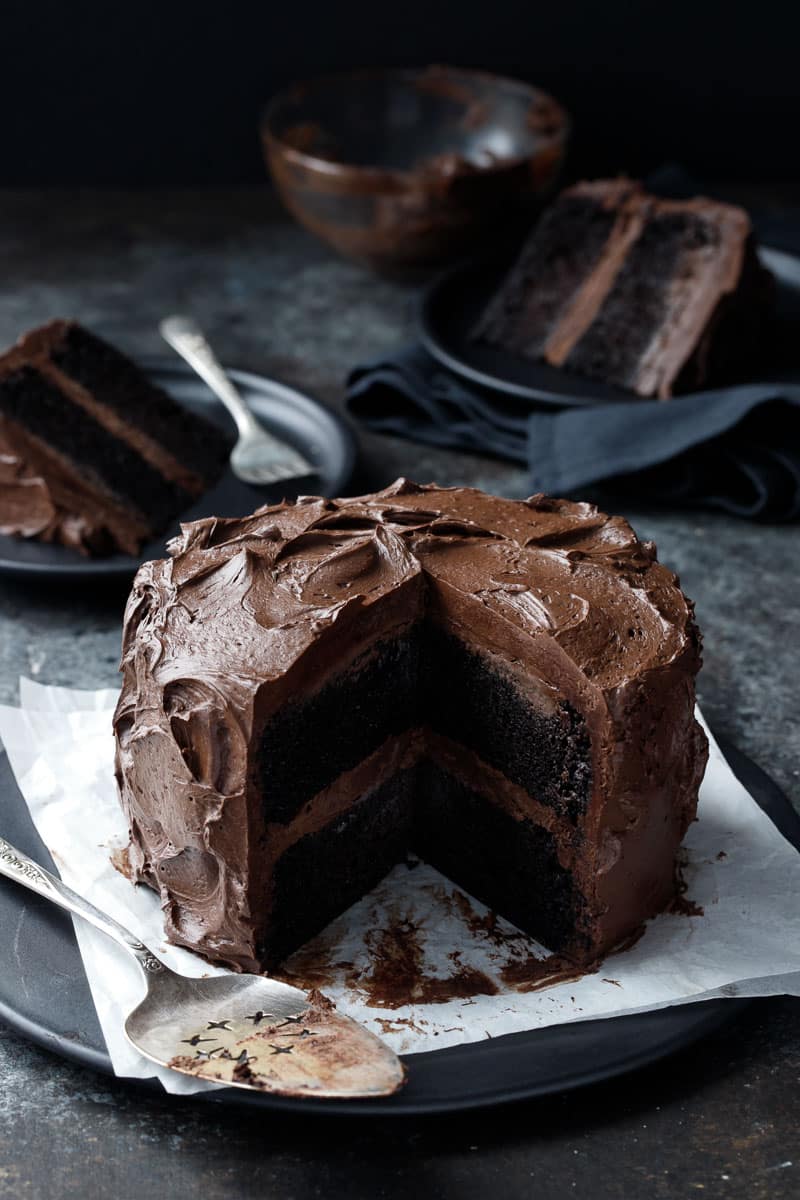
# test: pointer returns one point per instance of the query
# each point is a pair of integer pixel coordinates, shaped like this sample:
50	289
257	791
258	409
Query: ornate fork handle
17	866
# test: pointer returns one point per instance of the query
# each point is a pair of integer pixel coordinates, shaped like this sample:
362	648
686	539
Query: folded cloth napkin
737	448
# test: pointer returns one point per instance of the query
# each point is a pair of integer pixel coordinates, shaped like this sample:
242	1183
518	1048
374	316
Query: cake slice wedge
654	296
92	454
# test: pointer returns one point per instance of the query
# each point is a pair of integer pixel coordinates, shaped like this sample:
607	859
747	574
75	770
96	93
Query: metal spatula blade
250	1032
243	1031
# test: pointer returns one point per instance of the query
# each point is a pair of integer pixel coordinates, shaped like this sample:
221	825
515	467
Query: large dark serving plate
453	303
44	995
320	435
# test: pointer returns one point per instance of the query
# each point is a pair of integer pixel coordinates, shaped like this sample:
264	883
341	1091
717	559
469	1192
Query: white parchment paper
742	873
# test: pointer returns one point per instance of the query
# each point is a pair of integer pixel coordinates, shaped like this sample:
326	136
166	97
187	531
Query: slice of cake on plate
654	296
92	454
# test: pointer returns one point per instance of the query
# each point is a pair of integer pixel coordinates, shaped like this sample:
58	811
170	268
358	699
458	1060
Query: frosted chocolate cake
92	454
654	296
505	687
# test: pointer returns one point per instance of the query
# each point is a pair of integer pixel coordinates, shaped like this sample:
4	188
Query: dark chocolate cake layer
309	743
510	865
571	238
655	296
314	690
467	699
113	380
323	873
91	453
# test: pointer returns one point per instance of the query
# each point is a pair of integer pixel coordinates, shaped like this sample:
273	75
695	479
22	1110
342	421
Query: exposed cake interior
423	744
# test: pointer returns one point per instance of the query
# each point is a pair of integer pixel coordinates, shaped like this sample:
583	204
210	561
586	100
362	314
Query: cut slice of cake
92	454
654	296
505	687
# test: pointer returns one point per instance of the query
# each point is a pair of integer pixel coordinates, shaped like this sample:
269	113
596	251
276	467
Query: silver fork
240	1030
258	457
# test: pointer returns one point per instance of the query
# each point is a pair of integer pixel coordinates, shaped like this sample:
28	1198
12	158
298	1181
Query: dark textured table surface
720	1119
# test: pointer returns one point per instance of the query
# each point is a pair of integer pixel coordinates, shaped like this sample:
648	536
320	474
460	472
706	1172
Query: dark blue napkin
737	448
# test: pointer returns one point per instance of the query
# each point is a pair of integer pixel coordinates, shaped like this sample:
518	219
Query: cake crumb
120	861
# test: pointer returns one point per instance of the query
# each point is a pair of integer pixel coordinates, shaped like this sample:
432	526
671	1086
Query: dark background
138	93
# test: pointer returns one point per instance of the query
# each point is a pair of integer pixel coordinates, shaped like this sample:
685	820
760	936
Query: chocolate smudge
313	970
390	1024
531	974
680	904
396	976
527	971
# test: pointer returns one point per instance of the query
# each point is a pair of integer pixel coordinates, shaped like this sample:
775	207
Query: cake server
243	1031
258	456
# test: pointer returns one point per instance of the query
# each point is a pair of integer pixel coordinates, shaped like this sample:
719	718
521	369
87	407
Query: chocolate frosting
246	613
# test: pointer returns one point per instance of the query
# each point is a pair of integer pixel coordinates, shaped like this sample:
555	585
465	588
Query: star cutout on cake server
207	1055
258	1017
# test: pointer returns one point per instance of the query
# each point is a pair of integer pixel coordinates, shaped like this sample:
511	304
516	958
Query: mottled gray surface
722	1118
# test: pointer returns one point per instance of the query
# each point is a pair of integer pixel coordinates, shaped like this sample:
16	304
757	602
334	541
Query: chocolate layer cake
655	296
505	687
92	454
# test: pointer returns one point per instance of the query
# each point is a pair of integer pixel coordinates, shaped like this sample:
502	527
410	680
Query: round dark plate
319	434
452	304
45	996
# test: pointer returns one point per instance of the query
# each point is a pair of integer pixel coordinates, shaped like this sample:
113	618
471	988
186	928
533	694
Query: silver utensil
241	1030
258	457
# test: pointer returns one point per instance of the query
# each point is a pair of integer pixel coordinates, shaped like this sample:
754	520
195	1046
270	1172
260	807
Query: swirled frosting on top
248	612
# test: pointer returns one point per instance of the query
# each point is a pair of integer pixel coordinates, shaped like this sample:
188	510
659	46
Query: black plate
319	434
45	996
455	300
